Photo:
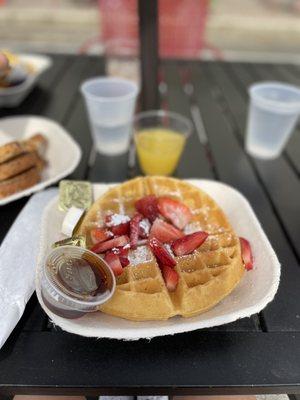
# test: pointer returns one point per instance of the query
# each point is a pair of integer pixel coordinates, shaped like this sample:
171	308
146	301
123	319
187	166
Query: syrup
75	281
83	277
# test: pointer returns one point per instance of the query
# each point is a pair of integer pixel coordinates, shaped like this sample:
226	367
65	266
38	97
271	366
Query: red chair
181	27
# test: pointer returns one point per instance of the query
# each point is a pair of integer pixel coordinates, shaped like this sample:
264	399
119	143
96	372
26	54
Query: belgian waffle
205	277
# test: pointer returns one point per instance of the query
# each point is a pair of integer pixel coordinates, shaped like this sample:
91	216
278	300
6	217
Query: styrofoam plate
63	153
254	292
13	96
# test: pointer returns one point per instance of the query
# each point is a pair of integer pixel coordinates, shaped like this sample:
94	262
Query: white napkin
18	254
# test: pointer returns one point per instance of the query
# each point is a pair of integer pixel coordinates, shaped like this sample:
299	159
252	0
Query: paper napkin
18	254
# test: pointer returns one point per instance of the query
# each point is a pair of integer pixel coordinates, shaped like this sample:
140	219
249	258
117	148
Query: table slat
191	363
194	161
34	318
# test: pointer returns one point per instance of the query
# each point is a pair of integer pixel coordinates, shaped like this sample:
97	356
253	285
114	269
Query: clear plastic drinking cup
110	104
75	281
273	113
160	137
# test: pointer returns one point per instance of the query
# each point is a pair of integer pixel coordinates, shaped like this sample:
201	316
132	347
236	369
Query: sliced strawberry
124	261
175	211
109	244
148	207
161	253
164	232
144	228
188	243
122	253
114	262
99	235
170	277
247	255
122	229
134	230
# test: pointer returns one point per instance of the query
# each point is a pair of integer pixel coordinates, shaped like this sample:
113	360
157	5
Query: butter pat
74	193
71	220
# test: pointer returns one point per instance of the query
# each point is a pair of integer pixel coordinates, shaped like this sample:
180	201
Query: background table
260	354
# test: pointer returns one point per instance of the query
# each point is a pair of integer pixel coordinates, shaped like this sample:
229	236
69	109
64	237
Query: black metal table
260	354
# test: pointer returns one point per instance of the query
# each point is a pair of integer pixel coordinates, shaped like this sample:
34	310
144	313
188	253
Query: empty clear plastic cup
273	113
110	104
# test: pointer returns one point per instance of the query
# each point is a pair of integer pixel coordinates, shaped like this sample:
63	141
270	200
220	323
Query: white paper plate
13	96
63	153
254	292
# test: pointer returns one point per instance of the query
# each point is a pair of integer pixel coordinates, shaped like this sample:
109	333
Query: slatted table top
260	354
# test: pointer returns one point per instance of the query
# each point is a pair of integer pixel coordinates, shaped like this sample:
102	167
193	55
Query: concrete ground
241	29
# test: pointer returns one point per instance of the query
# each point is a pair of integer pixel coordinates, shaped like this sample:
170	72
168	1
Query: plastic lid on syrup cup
76	279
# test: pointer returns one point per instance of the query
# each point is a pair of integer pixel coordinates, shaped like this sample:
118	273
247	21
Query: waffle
205	277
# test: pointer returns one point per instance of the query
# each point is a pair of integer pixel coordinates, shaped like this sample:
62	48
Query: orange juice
159	150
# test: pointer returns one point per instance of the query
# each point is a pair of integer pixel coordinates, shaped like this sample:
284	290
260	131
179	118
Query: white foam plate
13	96
63	153
254	292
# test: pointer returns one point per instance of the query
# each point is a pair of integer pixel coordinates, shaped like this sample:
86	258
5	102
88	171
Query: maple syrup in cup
75	281
160	137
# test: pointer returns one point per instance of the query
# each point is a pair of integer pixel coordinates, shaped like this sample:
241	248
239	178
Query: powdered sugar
145	225
215	229
99	219
169	249
140	255
204	211
192	227
117	219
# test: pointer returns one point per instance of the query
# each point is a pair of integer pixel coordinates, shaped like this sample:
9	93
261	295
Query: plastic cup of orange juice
160	137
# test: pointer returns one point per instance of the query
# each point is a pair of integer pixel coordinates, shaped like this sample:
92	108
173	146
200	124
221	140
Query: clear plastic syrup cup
110	104
273	113
75	281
